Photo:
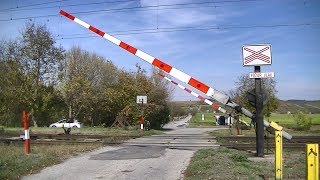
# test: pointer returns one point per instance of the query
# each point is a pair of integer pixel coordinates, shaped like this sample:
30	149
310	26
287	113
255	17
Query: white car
66	124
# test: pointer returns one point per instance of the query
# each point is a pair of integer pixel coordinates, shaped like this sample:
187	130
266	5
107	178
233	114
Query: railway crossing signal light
251	96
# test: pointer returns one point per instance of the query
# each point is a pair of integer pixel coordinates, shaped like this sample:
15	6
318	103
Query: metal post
259	116
312	156
278	155
141	118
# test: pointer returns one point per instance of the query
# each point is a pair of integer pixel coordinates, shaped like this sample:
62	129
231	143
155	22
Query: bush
303	122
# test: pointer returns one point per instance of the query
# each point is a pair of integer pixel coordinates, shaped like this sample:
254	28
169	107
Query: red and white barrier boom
220	97
214	105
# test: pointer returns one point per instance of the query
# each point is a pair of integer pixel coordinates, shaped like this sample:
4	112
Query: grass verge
14	163
223	163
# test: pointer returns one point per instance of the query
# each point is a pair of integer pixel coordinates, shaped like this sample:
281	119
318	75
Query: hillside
299	105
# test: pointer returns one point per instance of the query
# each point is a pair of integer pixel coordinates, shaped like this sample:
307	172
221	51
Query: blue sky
199	38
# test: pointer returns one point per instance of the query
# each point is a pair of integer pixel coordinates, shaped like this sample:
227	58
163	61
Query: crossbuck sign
256	55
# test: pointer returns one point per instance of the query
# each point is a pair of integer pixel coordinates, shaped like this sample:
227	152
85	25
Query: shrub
303	122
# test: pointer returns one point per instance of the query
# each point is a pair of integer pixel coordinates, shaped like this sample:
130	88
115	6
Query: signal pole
257	55
259	115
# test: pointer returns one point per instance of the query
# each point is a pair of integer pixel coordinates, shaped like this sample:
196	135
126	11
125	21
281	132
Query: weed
303	122
239	158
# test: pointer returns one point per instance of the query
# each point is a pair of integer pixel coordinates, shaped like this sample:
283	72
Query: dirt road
156	157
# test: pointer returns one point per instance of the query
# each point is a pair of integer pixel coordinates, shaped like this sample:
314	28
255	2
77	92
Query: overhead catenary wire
67	5
23	8
208	4
30	5
177	29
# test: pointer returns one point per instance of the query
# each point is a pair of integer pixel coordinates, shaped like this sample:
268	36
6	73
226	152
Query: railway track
250	146
249	143
236	142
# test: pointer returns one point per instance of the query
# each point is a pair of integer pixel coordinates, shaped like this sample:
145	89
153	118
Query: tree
41	61
13	83
85	80
245	84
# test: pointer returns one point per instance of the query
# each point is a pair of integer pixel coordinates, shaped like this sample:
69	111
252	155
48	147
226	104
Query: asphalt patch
131	152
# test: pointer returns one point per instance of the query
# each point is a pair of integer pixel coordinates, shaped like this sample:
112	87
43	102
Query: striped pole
209	102
155	62
181	76
25	120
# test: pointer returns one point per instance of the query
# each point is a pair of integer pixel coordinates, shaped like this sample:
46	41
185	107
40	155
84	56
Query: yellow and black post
312	155
278	154
278	151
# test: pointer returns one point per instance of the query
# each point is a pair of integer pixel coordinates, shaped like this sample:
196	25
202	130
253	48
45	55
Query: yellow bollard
278	154
312	155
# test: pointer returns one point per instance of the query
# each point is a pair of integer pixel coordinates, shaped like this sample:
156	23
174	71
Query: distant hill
291	106
299	105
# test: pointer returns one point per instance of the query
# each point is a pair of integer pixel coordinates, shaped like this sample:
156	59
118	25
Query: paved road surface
156	157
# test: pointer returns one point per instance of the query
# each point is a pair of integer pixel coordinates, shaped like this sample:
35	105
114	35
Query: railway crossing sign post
258	55
141	100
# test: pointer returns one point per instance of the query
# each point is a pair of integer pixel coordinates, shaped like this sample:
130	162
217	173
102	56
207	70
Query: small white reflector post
261	75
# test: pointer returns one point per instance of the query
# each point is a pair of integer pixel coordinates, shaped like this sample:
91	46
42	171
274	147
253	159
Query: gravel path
156	157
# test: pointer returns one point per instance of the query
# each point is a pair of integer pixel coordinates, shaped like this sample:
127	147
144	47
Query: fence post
25	120
312	157
278	154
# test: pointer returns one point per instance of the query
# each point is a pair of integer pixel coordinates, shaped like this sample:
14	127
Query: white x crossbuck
256	55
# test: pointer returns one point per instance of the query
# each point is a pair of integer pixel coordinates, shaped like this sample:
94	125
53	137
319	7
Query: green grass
223	163
209	120
287	119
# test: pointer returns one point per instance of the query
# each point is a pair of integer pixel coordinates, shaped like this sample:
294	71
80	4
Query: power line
70	5
22	8
163	5
141	8
176	29
38	4
137	8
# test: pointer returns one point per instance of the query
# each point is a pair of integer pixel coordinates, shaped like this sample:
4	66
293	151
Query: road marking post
312	158
278	154
141	122
25	120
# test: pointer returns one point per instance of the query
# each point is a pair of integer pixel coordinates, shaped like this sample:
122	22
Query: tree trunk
70	111
33	119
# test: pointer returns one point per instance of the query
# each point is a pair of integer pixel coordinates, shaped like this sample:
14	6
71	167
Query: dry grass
14	162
